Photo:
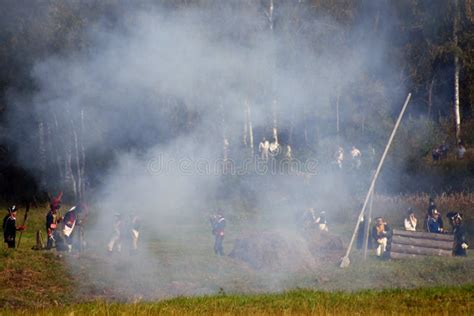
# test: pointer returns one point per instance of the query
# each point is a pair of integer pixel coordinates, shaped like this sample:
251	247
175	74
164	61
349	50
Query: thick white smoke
134	79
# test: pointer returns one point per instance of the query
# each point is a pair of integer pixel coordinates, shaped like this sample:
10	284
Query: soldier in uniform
69	224
339	156
433	224
460	242
322	222
356	157
116	239
52	221
274	148
10	228
263	148
382	235
410	221
218	226
134	230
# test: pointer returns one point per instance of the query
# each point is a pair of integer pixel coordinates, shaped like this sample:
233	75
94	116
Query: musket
25	218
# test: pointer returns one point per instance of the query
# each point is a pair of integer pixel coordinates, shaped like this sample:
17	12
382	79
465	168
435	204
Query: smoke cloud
196	68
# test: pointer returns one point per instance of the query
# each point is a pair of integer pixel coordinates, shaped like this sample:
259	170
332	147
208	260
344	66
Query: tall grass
436	301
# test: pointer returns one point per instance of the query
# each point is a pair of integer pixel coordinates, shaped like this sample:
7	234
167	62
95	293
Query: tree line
427	50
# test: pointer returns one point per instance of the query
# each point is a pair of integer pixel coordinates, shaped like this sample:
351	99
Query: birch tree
457	67
269	13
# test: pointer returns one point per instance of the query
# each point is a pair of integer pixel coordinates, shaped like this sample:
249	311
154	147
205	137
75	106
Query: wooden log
420	242
398	255
423	235
420	250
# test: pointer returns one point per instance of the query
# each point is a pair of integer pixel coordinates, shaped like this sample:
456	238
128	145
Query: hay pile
275	251
324	245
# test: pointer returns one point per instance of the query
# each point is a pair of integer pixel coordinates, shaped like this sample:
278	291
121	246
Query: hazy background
166	82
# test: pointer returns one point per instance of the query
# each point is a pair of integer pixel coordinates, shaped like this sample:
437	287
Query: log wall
407	244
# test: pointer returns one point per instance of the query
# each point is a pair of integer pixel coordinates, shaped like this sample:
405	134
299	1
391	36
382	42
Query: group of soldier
66	233
269	149
355	155
309	219
441	152
272	149
125	232
382	232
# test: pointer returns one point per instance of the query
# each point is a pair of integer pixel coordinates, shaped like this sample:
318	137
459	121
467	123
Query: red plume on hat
55	202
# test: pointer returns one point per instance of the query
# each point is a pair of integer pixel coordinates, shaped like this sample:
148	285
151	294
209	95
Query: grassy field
175	266
434	301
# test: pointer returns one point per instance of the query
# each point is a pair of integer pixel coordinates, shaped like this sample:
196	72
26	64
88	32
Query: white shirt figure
410	223
322	222
288	152
339	157
226	149
274	148
116	239
356	154
263	148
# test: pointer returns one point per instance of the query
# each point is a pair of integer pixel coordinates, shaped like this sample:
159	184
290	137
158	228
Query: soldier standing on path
218	226
10	228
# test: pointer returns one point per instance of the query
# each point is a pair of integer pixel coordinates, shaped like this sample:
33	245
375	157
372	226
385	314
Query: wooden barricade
408	244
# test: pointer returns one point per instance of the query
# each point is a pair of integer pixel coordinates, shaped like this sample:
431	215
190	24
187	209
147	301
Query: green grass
440	300
32	278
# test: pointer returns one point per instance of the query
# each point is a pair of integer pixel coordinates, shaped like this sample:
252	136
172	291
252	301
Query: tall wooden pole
345	260
367	223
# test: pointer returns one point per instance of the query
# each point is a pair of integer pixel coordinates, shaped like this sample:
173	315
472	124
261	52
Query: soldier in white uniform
263	148
116	239
356	156
339	157
274	148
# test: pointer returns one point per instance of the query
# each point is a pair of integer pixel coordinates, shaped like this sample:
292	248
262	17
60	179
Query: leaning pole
345	260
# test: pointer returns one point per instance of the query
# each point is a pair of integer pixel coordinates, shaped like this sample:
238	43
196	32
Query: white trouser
135	235
382	246
323	227
115	241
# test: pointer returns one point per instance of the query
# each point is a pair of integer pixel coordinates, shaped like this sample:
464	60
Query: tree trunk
420	250
225	142
42	154
457	67
69	175
250	127
292	127
62	175
78	162
271	24
305	128
430	96
337	113
423	235
246	130
421	242
52	155
275	123
83	155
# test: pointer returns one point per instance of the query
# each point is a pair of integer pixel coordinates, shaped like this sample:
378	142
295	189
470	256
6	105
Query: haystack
324	245
277	251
